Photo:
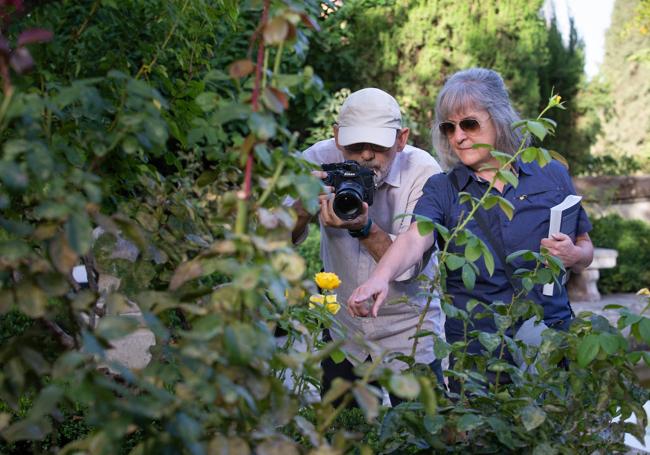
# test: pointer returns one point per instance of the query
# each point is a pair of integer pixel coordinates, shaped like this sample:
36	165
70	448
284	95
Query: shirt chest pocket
531	216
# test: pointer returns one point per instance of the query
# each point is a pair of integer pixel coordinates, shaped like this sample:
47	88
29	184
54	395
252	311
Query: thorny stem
455	232
278	59
9	93
242	203
515	297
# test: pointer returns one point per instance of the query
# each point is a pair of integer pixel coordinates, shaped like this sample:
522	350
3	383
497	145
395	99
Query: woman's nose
459	135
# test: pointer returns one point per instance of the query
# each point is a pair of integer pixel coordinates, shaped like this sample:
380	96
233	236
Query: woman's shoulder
553	168
439	180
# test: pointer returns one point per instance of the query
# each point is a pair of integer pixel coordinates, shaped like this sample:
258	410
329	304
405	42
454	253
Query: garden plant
171	130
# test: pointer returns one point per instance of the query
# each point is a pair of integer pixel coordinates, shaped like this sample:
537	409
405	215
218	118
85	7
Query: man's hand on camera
329	218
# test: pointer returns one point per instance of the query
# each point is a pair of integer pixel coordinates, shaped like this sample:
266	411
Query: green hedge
632	240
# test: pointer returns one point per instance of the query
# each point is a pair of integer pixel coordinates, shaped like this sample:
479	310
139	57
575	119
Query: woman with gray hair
473	108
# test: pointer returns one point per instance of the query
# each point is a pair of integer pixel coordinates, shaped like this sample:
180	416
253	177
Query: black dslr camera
353	184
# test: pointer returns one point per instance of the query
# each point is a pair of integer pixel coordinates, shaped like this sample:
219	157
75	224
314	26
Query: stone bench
582	286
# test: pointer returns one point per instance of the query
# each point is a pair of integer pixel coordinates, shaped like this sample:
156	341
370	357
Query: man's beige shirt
344	255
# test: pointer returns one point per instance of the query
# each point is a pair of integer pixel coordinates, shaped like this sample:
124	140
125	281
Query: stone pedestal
582	286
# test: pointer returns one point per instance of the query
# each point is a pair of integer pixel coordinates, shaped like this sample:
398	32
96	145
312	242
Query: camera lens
347	204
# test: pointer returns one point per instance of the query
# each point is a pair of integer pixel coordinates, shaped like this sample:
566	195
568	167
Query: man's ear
335	130
402	139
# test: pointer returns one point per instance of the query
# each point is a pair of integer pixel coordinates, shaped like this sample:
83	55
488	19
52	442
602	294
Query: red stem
248	175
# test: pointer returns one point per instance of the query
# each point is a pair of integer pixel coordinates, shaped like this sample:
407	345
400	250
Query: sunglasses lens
379	149
355	148
446	128
469	125
361	146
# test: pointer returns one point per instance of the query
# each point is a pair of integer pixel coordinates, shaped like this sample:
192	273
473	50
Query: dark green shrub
310	251
631	238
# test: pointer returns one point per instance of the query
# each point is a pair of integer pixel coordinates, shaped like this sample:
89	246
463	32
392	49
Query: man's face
373	156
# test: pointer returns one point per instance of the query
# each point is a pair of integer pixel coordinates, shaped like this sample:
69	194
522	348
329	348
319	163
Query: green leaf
527	283
529	154
471	304
441	348
506	207
644	329
338	388
13	175
537	129
500	156
112	327
532	416
502	321
368	401
207	101
490	341
490	201
646	358
31	300
469	422
13	250
454	262
237	343
263	155
472	251
337	356
544	157
32	430
508	177
46	402
487	258
13	148
405	386
609	342
52	210
78	231
262	126
588	350
425	227
468	276
433	424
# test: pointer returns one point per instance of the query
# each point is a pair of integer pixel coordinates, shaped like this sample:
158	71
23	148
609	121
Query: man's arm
304	217
377	242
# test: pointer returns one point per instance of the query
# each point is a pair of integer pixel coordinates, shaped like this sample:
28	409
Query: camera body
353	184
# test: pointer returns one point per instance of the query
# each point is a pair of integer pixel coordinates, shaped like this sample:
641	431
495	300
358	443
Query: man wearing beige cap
369	131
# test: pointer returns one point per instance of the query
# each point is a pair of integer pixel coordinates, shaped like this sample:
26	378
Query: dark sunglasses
361	146
469	125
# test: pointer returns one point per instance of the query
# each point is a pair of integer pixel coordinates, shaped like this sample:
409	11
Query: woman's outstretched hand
374	288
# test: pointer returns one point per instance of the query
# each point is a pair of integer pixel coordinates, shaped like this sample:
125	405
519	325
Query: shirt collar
465	174
526	168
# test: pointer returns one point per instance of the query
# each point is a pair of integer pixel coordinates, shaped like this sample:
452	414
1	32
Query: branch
61	335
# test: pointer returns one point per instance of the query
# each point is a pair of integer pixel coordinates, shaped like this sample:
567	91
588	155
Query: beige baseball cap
369	115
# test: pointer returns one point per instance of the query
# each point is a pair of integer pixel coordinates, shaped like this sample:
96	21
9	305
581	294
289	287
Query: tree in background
563	74
409	47
626	126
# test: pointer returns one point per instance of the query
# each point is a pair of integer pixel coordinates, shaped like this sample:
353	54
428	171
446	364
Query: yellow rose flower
333	307
327	280
316	299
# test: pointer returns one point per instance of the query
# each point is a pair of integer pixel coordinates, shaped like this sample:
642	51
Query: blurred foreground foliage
165	125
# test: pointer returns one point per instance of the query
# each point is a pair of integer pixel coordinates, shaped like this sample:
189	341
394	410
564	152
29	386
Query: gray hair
476	88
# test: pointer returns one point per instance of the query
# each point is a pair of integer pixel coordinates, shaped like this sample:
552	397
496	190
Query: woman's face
466	128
